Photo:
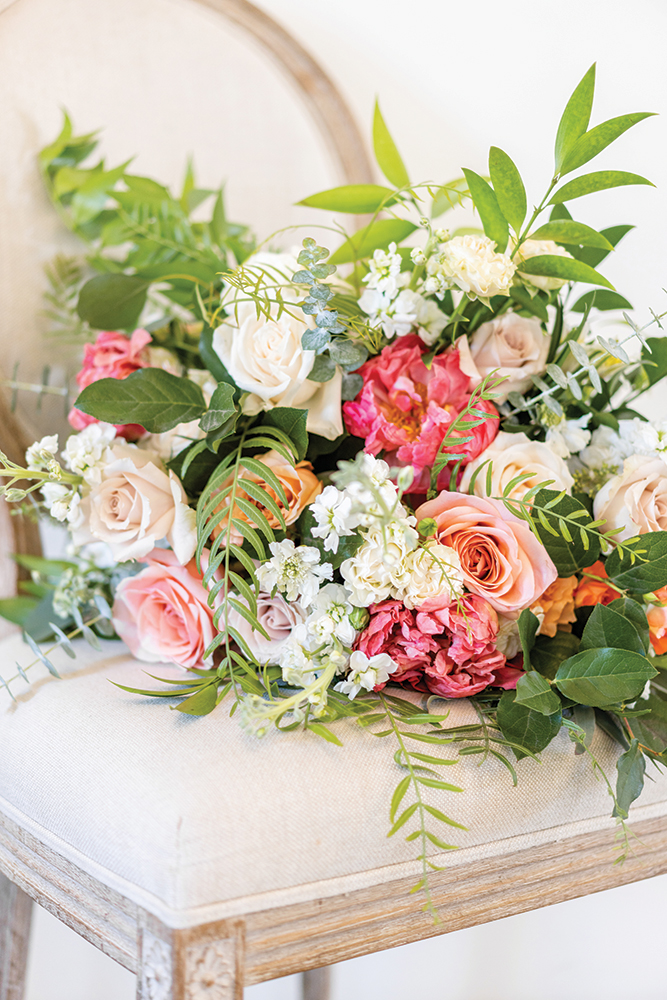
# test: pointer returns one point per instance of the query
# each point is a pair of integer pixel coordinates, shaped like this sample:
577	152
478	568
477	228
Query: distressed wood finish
15	914
323	99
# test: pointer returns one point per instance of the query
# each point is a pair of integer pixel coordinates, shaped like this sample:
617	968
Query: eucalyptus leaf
323	369
357	199
486	203
604	677
112	301
352	386
151	397
347	354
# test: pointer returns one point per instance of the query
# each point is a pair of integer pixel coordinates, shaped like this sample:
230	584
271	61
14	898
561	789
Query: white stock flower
514	455
434	572
604	451
366	672
569	437
297	666
538	248
408	311
42	452
333	512
384	270
471	264
88	453
63	503
294	570
329	617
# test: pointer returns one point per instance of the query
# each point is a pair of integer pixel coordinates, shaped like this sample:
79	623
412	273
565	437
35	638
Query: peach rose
594	591
162	614
657	623
135	505
635	500
557	605
501	559
512	346
299	482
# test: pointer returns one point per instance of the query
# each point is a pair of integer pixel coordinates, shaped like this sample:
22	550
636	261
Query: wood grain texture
323	99
15	916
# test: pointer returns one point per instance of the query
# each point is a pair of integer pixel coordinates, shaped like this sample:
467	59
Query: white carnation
471	264
379	569
434	572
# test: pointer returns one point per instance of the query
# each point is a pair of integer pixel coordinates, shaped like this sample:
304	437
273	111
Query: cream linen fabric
197	820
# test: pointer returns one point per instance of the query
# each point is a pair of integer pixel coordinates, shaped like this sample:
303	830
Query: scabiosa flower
294	570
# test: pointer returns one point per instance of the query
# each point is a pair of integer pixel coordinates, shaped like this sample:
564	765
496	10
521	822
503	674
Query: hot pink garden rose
113	355
162	614
470	621
501	559
405	408
449	679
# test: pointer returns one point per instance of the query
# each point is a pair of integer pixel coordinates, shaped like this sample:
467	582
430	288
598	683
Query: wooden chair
203	859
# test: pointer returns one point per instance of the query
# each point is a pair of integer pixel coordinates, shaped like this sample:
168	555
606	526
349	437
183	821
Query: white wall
454	78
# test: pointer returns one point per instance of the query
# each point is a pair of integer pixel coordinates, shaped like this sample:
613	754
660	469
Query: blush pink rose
113	355
502	561
162	614
405	409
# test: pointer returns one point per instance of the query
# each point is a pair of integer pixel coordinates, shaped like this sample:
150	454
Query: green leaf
604	677
534	691
655	361
601	299
533	304
45	567
599	180
651	730
324	733
520	724
593	142
631	767
376	235
635	614
584	717
355	198
549	652
222	414
293	423
568	557
569	231
606	627
112	301
640	577
386	154
576	117
347	354
593	256
154	398
397	797
528	625
486	203
551	266
403	818
508	187
201	703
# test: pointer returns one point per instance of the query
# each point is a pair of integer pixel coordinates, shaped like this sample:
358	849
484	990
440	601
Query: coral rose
557	605
514	348
405	409
657	623
162	613
635	500
113	355
594	591
299	482
501	559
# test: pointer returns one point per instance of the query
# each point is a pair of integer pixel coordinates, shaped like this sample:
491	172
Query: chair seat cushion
197	820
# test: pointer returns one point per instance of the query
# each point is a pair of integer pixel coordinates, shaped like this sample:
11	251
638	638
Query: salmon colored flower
657	623
113	355
405	409
592	590
557	605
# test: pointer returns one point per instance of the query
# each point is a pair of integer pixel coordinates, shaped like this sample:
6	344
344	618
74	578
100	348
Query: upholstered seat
196	821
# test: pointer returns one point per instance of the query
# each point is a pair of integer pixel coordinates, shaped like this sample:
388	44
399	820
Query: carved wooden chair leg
192	964
15	914
317	984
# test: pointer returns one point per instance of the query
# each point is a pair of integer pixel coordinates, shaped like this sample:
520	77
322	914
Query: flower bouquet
310	479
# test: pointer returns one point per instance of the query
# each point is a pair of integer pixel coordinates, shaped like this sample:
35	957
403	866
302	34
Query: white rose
136	505
514	455
277	618
471	264
636	499
435	572
517	347
539	248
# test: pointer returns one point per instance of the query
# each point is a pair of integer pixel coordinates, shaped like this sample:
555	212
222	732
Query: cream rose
135	505
540	248
636	499
514	455
471	264
435	573
277	618
514	346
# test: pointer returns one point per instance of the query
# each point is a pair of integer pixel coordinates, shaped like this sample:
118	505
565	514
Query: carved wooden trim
203	963
323	99
15	916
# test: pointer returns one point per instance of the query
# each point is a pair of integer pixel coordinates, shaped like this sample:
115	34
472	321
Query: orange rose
595	591
299	482
557	605
661	595
657	623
